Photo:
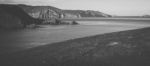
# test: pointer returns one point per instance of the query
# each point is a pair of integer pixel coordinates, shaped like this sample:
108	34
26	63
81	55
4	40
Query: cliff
28	14
48	12
41	12
12	16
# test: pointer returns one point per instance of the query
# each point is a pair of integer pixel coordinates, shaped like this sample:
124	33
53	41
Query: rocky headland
18	16
51	13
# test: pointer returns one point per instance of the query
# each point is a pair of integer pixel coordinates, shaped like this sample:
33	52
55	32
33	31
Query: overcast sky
113	7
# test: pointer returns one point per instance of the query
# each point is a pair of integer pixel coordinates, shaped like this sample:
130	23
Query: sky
112	7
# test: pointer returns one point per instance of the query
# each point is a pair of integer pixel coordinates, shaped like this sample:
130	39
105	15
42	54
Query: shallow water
12	41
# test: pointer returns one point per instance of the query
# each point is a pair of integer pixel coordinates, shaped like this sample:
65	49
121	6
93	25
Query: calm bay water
12	41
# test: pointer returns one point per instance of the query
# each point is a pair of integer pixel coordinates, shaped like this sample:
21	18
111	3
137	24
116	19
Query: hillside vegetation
12	16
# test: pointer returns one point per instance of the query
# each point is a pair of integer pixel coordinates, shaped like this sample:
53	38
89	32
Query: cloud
30	2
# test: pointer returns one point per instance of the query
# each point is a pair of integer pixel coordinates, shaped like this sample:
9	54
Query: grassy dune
126	48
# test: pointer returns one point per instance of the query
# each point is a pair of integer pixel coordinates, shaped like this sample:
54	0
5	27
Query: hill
12	16
87	13
27	14
48	12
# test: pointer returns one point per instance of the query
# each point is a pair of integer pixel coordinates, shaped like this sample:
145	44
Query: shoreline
106	19
124	48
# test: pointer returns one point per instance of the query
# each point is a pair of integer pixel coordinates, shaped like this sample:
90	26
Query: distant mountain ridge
146	16
87	13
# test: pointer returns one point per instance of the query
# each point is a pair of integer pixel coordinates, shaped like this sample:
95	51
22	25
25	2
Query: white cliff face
45	14
51	14
48	14
68	15
35	14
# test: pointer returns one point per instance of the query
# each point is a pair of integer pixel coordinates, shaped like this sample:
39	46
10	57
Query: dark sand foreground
126	48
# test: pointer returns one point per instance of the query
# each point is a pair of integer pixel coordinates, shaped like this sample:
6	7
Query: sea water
12	41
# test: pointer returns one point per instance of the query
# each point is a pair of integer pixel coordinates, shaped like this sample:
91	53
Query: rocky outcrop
12	16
